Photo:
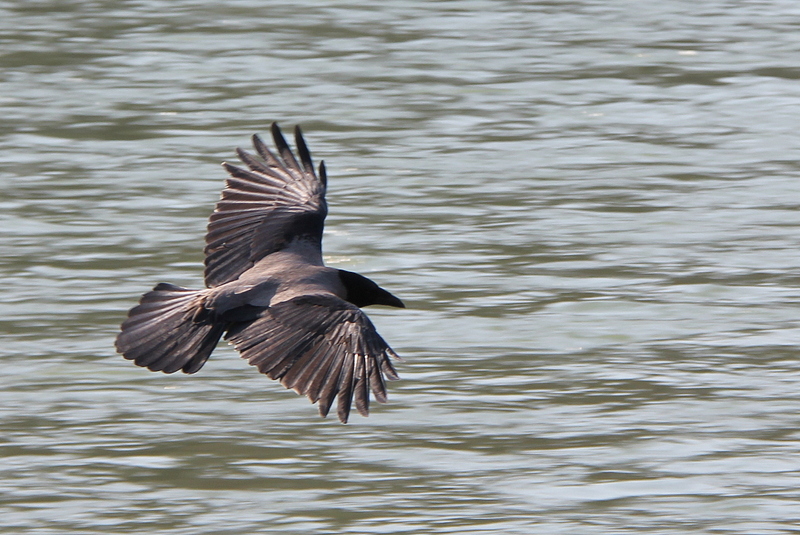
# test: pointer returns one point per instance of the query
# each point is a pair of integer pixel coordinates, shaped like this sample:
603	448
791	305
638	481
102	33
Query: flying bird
269	293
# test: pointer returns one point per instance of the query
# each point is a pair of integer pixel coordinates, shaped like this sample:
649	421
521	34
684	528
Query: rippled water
591	209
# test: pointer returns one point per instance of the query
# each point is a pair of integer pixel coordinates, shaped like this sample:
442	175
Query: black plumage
269	293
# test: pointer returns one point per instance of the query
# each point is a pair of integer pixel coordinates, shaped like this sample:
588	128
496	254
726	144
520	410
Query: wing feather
302	150
263	208
361	387
346	379
319	379
320	346
283	149
263	150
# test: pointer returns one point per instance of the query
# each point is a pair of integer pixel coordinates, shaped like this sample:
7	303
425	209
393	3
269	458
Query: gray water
590	208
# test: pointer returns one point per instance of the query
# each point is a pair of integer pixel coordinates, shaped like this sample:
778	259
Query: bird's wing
322	347
263	208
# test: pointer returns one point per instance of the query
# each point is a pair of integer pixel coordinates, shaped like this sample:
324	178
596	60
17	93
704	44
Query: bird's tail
169	330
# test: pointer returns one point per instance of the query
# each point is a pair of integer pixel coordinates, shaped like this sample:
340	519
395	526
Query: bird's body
269	292
279	277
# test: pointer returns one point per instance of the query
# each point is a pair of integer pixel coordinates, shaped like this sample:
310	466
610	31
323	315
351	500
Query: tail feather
161	333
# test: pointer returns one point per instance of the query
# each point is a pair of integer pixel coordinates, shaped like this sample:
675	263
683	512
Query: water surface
590	208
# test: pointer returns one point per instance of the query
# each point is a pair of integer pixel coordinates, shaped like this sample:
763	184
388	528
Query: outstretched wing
264	208
322	347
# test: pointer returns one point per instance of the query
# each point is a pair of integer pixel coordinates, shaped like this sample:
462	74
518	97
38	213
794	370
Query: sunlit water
591	209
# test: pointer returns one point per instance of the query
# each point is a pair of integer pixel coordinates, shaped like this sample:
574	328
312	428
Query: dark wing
322	347
264	208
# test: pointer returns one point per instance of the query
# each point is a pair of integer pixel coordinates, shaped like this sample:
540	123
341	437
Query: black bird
269	292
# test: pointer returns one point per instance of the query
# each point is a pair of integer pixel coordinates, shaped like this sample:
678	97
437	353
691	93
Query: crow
269	292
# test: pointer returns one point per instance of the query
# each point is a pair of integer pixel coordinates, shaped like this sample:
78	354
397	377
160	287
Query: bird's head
363	292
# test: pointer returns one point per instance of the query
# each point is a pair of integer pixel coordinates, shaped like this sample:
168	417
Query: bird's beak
385	298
